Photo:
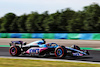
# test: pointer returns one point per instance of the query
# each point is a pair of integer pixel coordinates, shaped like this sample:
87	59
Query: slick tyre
60	52
15	50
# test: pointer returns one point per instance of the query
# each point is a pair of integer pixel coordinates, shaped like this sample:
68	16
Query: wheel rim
13	51
59	52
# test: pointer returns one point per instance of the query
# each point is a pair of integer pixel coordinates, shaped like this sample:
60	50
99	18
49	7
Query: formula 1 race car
21	48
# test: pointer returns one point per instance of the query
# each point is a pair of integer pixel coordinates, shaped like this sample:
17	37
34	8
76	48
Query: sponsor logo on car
34	51
77	54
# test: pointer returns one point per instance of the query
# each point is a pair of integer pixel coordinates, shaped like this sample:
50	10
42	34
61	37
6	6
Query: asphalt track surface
93	57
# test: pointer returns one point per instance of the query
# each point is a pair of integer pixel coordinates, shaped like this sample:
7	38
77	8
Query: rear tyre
60	52
15	50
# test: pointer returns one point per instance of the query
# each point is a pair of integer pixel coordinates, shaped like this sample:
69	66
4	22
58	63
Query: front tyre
60	52
15	50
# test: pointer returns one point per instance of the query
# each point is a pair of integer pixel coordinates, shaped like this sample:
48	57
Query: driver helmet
48	44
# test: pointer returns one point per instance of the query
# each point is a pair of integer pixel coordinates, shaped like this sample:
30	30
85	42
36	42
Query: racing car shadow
76	58
66	58
72	58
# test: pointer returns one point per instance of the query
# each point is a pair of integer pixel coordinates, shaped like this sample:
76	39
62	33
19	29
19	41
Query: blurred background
57	16
59	19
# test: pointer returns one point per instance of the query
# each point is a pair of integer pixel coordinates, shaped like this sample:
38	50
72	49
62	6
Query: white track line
46	59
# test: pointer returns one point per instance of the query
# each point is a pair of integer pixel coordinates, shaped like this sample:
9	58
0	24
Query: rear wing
15	43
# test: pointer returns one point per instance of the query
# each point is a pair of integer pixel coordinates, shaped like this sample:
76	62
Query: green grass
5	62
